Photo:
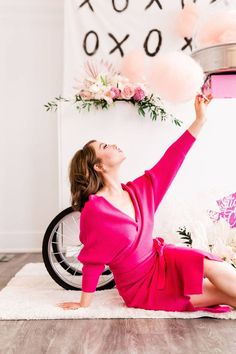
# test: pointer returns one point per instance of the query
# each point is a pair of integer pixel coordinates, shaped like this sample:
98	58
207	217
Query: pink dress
149	273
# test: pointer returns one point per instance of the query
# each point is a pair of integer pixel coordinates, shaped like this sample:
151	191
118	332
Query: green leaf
104	81
186	235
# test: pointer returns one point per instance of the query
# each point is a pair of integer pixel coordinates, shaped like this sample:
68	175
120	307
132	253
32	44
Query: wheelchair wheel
60	248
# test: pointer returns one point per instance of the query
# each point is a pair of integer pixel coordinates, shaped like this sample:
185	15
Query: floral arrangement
103	89
214	231
227	206
220	240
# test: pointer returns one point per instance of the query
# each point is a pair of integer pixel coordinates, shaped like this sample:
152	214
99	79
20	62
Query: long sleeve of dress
93	266
96	251
91	255
164	171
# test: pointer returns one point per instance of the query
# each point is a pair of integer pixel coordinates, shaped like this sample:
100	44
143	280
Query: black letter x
188	43
151	2
118	46
85	2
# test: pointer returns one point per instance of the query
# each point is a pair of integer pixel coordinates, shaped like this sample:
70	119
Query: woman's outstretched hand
200	105
69	305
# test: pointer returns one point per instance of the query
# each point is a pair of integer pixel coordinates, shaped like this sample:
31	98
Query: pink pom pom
218	28
176	77
133	65
186	20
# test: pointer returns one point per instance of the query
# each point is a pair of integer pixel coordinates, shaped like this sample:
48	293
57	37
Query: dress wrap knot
159	245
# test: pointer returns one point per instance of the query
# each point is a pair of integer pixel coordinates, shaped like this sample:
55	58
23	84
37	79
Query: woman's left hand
69	305
200	105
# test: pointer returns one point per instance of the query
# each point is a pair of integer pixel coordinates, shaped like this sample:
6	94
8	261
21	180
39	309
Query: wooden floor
113	336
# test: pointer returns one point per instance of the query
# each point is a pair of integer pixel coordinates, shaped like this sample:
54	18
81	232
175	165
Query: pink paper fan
187	19
133	66
218	28
175	76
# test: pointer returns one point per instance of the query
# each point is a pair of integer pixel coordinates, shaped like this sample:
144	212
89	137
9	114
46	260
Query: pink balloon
218	28
186	20
176	77
133	66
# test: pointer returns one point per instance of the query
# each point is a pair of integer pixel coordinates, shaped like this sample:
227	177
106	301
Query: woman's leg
222	275
210	296
219	286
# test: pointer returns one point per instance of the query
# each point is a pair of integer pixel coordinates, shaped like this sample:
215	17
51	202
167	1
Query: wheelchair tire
49	239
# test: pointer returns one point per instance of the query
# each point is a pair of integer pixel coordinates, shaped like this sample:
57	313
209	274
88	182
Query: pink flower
127	92
86	95
139	94
114	92
111	94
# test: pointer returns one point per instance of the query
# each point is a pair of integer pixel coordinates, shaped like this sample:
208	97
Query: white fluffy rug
33	295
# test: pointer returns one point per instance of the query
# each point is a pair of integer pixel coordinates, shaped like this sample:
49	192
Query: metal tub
217	58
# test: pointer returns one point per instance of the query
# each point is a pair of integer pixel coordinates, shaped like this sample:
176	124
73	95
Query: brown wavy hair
84	180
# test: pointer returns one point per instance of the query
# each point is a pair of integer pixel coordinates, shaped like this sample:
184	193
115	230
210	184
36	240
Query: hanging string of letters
153	38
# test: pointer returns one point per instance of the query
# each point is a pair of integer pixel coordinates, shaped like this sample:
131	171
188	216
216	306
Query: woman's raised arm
163	172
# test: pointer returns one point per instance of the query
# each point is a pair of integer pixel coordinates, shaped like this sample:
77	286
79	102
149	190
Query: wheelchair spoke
77	225
66	225
76	269
64	235
57	253
62	261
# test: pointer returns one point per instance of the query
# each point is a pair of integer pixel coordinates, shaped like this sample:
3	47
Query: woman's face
110	155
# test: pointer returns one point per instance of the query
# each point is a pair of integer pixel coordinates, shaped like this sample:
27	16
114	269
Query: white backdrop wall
208	172
31	62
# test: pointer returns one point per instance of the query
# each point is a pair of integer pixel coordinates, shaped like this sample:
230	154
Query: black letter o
145	45
96	43
124	8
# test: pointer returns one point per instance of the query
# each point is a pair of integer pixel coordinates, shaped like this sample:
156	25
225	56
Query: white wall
31	60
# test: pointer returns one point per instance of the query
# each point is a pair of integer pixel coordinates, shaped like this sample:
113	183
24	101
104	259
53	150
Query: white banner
109	29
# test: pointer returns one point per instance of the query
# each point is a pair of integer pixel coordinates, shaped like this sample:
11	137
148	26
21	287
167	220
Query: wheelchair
60	248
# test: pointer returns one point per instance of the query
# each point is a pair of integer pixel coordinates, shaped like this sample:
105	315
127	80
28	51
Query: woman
116	227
